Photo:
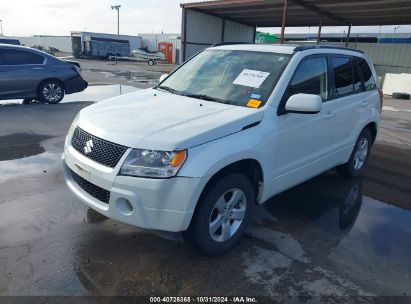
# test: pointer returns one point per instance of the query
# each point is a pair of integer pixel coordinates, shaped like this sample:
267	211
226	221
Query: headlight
153	164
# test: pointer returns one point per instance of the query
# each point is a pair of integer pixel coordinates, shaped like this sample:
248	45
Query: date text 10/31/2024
203	300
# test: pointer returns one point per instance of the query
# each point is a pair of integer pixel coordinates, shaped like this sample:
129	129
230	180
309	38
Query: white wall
63	43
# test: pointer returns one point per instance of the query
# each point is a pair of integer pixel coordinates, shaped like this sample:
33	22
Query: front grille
95	191
97	149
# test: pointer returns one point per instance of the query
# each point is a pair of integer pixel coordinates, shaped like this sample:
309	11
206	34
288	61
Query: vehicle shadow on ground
273	258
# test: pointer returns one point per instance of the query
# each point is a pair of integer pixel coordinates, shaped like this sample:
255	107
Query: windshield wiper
168	89
204	97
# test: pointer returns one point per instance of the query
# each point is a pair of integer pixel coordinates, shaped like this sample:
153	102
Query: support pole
118	21
347	40
283	21
319	30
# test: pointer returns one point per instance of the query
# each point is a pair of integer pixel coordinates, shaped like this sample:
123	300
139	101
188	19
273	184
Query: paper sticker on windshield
253	103
251	78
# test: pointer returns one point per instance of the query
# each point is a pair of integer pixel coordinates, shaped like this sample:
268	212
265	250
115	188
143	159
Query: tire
404	96
222	215
51	91
359	156
151	62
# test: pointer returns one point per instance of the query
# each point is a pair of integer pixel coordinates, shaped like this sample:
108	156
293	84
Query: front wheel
51	91
151	62
222	215
359	156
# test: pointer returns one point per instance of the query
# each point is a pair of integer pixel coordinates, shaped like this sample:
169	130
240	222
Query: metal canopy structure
269	13
285	13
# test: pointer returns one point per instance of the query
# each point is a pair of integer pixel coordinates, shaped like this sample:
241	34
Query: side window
343	76
19	57
369	81
311	78
358	84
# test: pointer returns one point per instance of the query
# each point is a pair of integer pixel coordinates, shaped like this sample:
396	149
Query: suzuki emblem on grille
88	146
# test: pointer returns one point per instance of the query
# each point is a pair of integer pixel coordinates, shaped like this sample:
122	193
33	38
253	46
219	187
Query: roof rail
316	46
229	43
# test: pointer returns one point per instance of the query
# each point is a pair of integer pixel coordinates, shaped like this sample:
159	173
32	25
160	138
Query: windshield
242	78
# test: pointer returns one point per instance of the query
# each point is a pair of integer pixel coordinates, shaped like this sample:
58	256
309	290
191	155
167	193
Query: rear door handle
37	68
329	115
363	103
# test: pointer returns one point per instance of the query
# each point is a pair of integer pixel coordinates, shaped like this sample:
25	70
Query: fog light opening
124	206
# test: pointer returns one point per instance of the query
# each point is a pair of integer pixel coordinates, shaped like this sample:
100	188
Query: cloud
28	17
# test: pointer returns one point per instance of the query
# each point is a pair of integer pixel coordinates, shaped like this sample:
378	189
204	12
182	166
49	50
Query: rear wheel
222	215
359	156
51	91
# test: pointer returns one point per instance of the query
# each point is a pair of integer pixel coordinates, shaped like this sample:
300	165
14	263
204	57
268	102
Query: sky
59	17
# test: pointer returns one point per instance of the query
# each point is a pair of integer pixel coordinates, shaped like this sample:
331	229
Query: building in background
264	38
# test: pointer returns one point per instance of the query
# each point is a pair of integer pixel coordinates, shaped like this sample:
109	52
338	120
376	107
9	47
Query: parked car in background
144	54
229	129
26	73
13	41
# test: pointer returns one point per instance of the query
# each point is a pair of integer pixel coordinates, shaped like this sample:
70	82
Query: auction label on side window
251	78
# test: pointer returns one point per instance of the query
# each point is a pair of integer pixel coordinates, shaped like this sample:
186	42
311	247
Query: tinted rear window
19	57
369	81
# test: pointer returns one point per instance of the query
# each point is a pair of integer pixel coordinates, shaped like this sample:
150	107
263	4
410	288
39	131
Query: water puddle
137	77
326	224
93	93
20	145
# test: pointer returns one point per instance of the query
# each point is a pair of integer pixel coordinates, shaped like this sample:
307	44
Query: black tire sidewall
198	232
43	98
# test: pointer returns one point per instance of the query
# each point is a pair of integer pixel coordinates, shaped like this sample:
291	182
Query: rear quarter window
369	81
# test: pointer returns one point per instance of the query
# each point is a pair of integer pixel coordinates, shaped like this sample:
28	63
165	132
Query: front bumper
158	204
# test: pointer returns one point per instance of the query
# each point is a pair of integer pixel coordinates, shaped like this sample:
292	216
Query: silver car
26	73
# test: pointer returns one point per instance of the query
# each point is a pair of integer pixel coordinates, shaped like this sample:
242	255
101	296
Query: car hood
151	119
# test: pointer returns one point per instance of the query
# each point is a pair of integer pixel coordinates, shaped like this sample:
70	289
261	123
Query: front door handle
37	68
363	103
329	115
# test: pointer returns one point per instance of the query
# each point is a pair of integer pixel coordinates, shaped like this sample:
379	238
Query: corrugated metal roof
268	13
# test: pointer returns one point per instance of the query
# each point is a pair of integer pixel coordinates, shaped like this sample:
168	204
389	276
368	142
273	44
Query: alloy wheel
361	154
52	92
227	215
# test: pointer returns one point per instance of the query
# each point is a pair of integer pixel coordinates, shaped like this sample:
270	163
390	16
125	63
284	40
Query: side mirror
304	104
162	77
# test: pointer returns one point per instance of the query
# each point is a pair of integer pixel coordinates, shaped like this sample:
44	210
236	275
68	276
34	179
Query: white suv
228	129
